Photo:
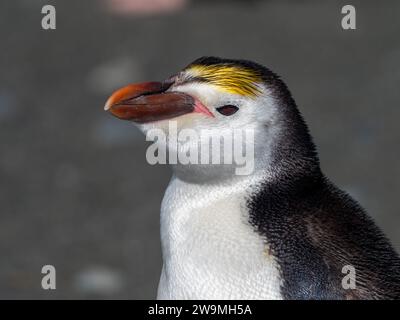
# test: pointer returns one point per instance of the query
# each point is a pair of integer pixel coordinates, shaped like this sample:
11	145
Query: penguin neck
256	166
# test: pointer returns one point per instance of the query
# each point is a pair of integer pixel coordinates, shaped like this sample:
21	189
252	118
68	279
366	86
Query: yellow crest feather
233	79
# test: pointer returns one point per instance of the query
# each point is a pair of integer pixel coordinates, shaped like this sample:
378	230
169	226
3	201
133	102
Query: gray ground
75	188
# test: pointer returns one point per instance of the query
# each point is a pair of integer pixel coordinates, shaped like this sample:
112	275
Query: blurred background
76	191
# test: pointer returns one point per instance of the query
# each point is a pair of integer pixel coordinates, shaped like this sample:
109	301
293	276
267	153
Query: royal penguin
283	231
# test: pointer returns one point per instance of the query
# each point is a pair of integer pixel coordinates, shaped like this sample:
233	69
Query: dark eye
227	110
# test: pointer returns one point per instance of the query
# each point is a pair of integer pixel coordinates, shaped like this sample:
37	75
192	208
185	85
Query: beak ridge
132	91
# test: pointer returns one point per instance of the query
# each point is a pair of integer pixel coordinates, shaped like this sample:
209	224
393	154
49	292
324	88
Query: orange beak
148	102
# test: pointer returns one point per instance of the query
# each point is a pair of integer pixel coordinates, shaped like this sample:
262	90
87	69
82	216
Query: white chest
209	249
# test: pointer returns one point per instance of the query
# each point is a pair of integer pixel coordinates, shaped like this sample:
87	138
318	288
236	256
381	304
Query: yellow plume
233	79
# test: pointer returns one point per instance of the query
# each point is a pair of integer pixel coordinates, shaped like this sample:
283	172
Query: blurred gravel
75	188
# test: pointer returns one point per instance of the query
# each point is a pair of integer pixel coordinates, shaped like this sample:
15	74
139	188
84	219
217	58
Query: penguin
285	231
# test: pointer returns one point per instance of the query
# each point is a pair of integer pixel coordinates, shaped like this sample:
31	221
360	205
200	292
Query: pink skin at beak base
201	108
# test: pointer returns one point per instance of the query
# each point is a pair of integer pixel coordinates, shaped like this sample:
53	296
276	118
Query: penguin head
210	92
215	95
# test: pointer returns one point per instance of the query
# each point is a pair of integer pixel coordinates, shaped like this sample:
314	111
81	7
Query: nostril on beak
166	84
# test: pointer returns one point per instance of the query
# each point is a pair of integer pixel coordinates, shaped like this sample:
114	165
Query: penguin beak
148	102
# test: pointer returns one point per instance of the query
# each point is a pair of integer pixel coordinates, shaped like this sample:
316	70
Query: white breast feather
210	251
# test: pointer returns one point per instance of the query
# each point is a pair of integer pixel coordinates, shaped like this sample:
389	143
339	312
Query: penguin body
282	232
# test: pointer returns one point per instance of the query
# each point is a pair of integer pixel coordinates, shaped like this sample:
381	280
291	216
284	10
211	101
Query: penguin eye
227	110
